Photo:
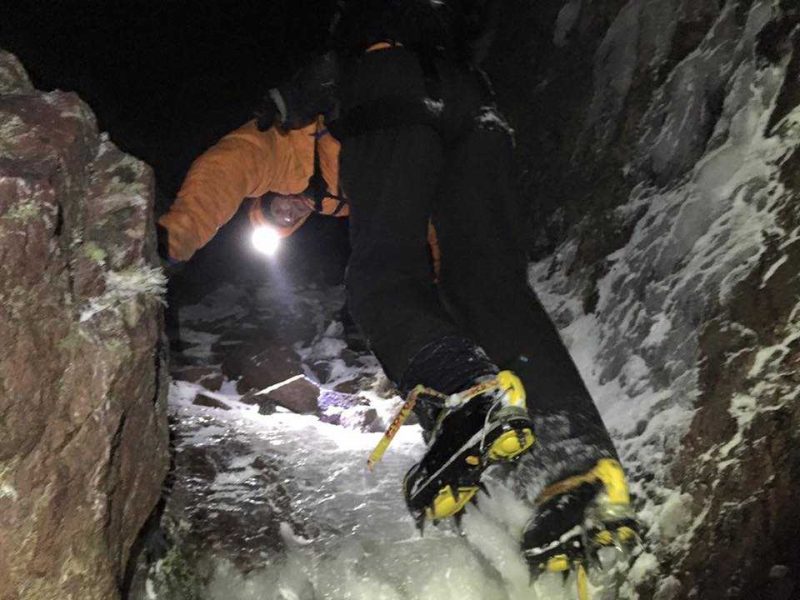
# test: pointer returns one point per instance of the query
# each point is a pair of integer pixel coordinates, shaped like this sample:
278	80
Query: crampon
482	426
584	529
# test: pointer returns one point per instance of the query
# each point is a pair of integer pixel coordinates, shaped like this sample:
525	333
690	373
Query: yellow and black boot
477	428
578	517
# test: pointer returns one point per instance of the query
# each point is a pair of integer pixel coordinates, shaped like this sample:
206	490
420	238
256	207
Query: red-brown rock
83	440
299	395
210	402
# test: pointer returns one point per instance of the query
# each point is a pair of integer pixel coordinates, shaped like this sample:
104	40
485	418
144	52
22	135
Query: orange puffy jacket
248	163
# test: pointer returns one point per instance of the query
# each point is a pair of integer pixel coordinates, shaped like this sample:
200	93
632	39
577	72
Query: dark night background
167	78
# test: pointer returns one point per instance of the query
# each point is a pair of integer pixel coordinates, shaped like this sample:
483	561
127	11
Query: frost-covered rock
671	185
83	440
348	410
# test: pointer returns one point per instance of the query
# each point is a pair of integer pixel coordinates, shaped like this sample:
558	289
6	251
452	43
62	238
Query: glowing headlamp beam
266	240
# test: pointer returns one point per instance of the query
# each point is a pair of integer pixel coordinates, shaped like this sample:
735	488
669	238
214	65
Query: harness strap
317	184
341	203
386	113
383	45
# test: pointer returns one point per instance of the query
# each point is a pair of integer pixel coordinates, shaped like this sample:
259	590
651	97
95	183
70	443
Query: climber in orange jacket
248	163
288	173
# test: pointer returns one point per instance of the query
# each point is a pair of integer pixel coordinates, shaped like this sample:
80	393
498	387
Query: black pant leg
390	177
484	278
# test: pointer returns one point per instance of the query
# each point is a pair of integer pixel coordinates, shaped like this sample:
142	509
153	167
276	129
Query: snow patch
126	287
8	491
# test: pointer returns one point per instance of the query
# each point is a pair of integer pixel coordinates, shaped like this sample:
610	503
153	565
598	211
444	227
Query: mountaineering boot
475	429
578	517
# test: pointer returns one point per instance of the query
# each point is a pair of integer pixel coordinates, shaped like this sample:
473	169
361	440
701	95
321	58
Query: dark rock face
749	420
209	377
209	402
83	439
659	148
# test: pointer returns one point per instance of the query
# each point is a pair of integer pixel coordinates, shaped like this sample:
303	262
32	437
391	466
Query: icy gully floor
368	547
363	543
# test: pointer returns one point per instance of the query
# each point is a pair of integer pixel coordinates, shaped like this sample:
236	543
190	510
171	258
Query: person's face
288	210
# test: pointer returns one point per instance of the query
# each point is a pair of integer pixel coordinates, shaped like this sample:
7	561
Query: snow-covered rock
660	149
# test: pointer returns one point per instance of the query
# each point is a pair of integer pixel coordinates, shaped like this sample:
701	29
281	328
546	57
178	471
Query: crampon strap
402	415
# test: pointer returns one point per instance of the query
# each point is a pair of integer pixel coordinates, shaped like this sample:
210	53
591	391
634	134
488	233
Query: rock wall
660	148
83	437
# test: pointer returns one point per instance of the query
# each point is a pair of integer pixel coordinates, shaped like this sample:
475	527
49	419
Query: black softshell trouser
460	174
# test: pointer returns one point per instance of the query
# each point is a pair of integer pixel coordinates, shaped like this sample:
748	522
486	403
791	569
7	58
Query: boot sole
450	488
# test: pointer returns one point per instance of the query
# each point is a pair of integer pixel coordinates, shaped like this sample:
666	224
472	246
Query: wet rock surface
228	502
83	434
210	402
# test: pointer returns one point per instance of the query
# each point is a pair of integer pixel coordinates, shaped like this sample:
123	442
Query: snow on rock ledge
677	285
662	153
83	439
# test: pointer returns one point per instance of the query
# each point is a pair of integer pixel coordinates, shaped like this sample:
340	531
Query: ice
674	517
614	66
377	553
200	341
289	536
773	269
7	491
490	118
326	347
367	546
642	567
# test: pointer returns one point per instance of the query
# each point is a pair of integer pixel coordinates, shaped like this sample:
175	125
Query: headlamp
266	240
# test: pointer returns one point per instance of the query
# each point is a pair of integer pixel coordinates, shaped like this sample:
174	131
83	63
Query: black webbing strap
386	113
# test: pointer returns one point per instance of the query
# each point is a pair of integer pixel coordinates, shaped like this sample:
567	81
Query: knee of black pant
499	287
385	270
